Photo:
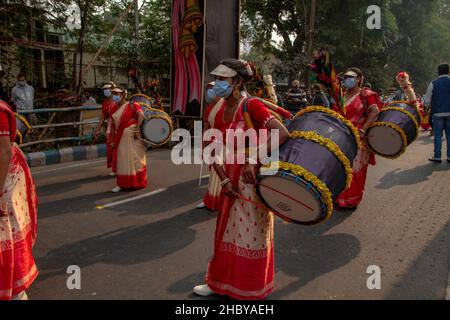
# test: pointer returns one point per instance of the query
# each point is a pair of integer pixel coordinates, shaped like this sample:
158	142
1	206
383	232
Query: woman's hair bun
242	68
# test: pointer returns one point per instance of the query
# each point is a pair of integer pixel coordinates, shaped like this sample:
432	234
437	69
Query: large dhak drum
315	167
23	129
157	127
143	100
396	128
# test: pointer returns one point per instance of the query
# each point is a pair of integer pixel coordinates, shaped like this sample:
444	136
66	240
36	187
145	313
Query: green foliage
414	36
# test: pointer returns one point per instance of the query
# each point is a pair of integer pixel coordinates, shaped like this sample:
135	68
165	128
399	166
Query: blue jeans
441	125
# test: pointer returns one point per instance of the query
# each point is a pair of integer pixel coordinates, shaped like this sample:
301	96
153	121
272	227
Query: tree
414	36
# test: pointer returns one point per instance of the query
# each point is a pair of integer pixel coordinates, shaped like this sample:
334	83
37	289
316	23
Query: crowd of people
242	266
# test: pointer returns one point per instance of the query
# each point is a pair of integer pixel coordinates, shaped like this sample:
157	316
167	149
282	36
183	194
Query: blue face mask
222	89
210	96
349	83
107	93
117	99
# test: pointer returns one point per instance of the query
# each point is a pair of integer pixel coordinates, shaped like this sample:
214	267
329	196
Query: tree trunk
312	23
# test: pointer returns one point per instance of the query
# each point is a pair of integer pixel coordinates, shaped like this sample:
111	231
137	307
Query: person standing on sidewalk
108	108
23	96
438	99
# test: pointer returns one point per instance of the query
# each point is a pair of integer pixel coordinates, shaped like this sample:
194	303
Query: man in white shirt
23	97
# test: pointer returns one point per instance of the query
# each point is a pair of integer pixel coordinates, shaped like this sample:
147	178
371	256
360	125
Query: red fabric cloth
129	118
353	196
235	270
108	108
17	267
357	112
8	120
4	124
211	202
135	182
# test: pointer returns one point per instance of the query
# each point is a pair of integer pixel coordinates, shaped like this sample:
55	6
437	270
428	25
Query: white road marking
113	204
70	166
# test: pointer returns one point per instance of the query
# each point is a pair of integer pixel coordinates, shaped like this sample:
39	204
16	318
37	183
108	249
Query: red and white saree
243	263
108	108
18	223
129	154
357	113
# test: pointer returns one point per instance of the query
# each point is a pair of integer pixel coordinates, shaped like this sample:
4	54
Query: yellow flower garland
409	115
398	130
332	147
19	134
316	182
337	116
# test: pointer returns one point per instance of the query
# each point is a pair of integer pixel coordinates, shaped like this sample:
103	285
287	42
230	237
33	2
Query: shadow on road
307	253
314	254
427	277
411	176
425	139
126	246
65	186
174	197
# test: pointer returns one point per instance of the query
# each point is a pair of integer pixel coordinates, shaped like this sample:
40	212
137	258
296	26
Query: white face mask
23	83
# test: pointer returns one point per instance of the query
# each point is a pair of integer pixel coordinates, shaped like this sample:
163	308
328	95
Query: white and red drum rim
156	130
385	141
292	198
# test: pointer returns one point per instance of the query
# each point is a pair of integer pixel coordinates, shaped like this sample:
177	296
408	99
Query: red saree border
133	182
243	252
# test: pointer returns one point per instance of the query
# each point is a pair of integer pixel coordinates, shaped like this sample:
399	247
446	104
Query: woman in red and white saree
129	152
212	196
243	263
18	213
108	108
362	109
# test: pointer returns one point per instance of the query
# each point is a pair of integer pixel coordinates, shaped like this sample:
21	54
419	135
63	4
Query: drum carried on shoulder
315	167
23	129
157	127
396	128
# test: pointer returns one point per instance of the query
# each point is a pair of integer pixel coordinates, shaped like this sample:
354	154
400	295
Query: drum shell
142	100
408	107
401	120
328	127
150	114
318	160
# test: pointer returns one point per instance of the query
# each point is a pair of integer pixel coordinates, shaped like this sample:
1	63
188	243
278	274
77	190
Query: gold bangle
224	182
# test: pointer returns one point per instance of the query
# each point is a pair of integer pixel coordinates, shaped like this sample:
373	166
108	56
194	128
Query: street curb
45	158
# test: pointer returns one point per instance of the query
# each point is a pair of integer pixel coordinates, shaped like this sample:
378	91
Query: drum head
156	130
291	200
385	140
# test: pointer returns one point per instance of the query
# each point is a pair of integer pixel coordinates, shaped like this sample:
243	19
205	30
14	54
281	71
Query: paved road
158	247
